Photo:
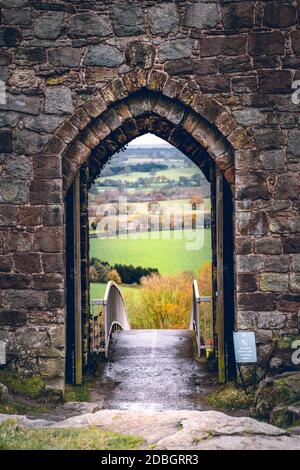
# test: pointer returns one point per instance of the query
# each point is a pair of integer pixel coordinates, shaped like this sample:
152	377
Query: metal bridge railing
110	315
202	320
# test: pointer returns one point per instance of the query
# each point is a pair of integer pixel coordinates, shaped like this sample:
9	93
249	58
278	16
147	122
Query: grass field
168	256
97	290
171	174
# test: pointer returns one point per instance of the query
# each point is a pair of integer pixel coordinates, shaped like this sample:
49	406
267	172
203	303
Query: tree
113	275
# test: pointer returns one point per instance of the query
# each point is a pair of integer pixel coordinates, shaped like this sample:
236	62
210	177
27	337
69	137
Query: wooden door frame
223	277
73	283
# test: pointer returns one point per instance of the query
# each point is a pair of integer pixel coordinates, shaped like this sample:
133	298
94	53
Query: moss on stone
32	387
17	408
230	397
285	342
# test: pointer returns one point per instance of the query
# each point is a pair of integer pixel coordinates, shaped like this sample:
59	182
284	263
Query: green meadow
167	255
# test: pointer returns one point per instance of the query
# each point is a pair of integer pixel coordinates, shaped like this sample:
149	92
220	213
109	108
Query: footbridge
150	369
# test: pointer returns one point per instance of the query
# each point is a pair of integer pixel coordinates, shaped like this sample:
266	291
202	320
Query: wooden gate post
77	281
220	275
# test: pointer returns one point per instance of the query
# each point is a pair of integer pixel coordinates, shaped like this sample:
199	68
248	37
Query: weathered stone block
274	81
249	263
5	58
6	145
270	320
291	244
56	299
140	54
27	262
128	19
100	74
214	84
22	104
266	43
294	142
279	15
239	139
284	223
246	283
49	239
18	166
29	143
31	55
13	318
287	186
179	67
16	16
47	281
268	245
205	66
249	223
163	18
201	15
65	56
52	215
10	37
243	245
295	282
53	263
277	264
51	367
89	24
44	191
8	215
244	84
8	119
14	281
269	139
295	35
257	301
104	55
249	116
6	264
23	78
30	216
235	64
58	100
238	15
273	159
49	25
222	46
13	191
57	336
175	49
296	262
274	282
24	299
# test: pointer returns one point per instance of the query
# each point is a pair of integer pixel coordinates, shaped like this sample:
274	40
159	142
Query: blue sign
244	347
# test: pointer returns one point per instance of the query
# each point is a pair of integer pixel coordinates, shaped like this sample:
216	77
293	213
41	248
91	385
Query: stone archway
110	120
118	106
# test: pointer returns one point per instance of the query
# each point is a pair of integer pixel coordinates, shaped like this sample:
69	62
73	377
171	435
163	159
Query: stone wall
65	63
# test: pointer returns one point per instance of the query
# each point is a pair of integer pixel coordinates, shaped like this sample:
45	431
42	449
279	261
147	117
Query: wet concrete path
152	369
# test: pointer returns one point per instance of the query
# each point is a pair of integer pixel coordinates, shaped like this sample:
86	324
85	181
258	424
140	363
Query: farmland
167	255
138	207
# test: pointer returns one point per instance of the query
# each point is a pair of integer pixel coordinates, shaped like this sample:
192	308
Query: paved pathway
152	369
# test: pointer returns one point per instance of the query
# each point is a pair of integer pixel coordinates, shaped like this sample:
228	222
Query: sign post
244	350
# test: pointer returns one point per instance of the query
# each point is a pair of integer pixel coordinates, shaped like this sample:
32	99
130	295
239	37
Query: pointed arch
141	102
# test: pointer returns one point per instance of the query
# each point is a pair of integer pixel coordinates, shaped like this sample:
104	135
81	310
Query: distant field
167	256
172	174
